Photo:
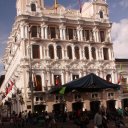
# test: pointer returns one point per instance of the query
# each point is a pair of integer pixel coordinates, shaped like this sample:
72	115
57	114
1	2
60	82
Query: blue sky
118	12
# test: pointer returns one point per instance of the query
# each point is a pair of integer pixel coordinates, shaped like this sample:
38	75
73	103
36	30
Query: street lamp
30	74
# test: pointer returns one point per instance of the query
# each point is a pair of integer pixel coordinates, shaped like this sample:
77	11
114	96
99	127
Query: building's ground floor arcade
68	103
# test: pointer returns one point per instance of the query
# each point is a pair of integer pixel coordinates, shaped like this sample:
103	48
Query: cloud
120	38
124	3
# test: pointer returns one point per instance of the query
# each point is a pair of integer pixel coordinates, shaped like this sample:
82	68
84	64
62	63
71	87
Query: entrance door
94	106
125	103
77	106
39	108
60	107
111	105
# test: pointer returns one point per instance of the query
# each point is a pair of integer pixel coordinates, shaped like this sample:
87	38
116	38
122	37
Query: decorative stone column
67	76
61	33
64	33
80	73
97	57
26	31
63	78
73	52
95	34
22	30
81	54
46	32
109	54
42	31
52	75
63	53
81	34
55	51
90	53
78	34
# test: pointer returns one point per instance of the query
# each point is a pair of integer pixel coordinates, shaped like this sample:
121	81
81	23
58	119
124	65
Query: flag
57	81
9	87
62	91
6	90
80	6
119	78
12	83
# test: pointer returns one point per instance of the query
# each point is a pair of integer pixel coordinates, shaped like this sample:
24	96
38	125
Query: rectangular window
28	106
35	51
70	33
33	31
102	36
53	32
95	95
105	54
75	77
111	95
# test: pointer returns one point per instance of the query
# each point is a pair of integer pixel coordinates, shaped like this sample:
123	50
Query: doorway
39	108
111	105
59	107
124	103
94	106
77	106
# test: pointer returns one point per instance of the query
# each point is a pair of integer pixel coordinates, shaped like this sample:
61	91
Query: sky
118	13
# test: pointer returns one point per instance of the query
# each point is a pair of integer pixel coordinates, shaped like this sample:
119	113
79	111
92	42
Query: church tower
100	9
29	7
97	9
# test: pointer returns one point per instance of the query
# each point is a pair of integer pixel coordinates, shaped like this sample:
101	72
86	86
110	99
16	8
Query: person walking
104	121
98	120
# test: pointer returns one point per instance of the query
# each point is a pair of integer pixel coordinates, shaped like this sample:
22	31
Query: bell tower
28	7
100	9
97	9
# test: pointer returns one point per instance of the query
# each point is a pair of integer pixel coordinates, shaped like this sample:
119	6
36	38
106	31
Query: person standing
98	120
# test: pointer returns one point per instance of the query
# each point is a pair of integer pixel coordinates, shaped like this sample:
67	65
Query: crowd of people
79	118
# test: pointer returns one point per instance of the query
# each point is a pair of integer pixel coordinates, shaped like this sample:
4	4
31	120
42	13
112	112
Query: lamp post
30	74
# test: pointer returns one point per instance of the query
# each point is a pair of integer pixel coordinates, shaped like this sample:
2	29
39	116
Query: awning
89	83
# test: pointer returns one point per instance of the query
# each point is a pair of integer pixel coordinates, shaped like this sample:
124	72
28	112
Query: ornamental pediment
57	66
70	12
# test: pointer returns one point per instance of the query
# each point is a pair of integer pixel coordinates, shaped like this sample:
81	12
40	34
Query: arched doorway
111	105
77	106
94	106
124	103
39	108
59	107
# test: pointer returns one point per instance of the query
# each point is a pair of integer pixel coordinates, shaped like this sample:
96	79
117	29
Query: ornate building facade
52	46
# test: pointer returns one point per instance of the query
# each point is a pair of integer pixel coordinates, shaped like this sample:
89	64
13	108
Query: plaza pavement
71	124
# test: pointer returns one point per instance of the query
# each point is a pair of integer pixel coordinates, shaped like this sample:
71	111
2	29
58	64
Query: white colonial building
52	46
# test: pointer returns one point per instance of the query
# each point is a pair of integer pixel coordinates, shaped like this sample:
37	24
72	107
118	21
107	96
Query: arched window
93	53
51	51
33	7
59	52
37	83
109	78
77	54
36	51
105	54
86	52
69	52
101	14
